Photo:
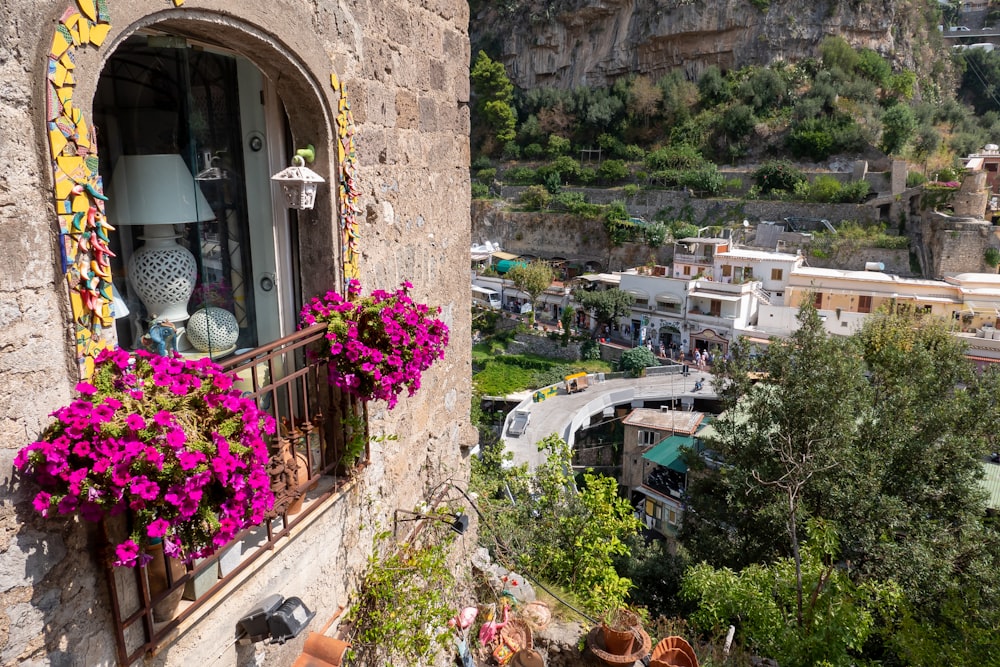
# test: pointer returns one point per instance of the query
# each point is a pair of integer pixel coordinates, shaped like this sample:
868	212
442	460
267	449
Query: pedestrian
697	357
707	358
663	350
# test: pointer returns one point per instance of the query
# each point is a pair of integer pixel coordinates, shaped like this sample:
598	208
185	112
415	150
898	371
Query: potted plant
378	345
167	441
619	625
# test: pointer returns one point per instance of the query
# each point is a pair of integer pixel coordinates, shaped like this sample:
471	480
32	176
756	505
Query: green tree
566	319
763	601
532	279
608	305
544	524
898	125
494	97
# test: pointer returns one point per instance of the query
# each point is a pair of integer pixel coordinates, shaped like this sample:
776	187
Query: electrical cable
507	549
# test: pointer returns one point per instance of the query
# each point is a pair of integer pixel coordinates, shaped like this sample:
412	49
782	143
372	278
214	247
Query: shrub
681	156
557	145
481	162
632	153
533	151
777	175
612	170
636	360
480	191
520	175
566	167
915	178
992	257
511	151
706	180
486	176
630	190
535	198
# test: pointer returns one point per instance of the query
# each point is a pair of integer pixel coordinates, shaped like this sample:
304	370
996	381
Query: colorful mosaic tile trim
79	192
349	194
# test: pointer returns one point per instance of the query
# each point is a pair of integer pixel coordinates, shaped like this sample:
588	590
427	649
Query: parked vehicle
487	298
519	423
576	382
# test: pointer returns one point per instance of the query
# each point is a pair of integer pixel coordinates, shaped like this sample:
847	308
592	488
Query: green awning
668	452
505	265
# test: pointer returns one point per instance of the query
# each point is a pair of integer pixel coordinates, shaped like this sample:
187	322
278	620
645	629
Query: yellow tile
64	186
83	28
67	60
60	75
81	203
59	44
57	141
99	33
89	8
65	94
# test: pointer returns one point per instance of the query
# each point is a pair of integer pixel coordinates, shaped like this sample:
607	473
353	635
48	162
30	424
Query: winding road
565	413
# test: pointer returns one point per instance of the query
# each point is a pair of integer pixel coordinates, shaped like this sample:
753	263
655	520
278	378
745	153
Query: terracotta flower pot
297	462
156	576
618	642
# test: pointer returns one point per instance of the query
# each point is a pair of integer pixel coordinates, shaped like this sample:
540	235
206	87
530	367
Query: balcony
290	385
686	258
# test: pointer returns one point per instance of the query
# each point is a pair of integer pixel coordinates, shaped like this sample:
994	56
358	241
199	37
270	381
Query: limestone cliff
566	43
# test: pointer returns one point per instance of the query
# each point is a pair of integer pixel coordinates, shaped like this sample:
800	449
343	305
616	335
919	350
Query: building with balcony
653	469
694	257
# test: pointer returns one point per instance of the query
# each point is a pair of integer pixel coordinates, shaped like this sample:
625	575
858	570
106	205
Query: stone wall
955	245
545	346
405	64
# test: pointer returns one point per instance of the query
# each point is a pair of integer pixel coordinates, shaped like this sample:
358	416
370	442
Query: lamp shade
155	190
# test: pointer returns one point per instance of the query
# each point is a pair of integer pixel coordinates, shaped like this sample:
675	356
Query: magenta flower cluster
378	345
165	439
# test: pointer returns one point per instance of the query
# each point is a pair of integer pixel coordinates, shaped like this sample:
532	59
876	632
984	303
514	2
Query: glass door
163	101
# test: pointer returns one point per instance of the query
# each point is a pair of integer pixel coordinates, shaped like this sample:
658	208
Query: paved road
564	413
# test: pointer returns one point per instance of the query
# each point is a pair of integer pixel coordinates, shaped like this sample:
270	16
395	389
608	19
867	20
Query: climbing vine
405	600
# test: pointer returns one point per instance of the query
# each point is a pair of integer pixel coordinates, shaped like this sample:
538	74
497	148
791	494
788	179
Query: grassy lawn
500	375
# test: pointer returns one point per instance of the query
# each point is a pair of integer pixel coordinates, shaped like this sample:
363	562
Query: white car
519	423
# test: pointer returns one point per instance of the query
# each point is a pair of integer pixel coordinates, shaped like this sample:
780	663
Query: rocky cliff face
566	43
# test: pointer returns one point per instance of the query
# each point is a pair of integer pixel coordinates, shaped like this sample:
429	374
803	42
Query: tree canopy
532	279
608	305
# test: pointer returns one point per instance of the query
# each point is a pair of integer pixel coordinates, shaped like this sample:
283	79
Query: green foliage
480	191
612	171
535	198
557	146
898	125
533	151
680	156
566	319
713	86
486	176
636	360
630	190
554	531
617	224
494	95
532	279
608	305
762	598
590	350
817	138
705	180
838	54
655	233
737	122
404	601
873	66
520	175
576	203
828	189
992	257
778	175
915	178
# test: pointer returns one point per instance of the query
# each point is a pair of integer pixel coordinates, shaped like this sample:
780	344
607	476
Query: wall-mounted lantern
298	182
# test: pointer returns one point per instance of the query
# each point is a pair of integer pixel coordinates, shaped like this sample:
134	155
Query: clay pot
619	629
618	642
296	462
673	651
673	657
322	650
156	576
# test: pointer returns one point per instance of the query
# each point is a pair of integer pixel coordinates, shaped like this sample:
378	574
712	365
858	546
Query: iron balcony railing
291	385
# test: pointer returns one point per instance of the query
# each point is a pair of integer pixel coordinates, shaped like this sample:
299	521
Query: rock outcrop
566	43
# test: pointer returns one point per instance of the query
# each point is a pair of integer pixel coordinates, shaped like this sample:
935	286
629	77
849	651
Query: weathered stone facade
405	66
